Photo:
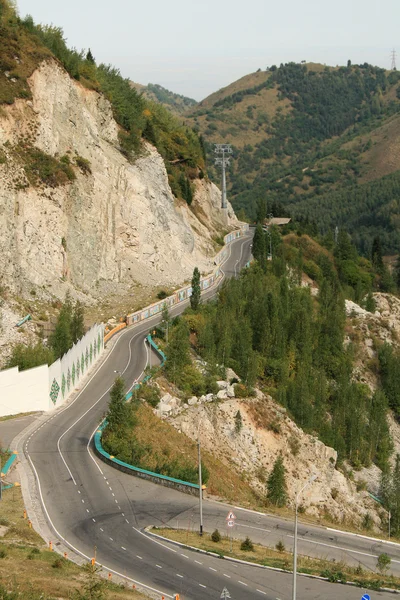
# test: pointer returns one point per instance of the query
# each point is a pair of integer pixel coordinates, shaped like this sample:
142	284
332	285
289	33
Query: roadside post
230	521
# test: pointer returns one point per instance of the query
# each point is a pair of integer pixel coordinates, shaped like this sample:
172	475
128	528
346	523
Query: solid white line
252	527
261	592
88	558
340	548
366	537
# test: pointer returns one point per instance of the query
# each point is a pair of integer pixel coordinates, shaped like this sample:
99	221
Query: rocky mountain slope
176	103
111	224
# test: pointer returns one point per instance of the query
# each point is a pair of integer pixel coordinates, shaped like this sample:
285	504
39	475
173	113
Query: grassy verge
30	571
269	557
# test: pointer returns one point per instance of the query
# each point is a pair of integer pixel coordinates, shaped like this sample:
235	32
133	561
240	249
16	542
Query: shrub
383	563
83	164
294	445
150	394
162	294
3	521
216	536
367	521
241	391
280	546
334	493
247	545
274	426
59	563
3	553
361	485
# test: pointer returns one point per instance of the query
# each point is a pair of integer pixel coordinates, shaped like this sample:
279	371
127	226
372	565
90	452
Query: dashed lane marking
243	583
181	576
159	566
139	557
198	562
228	576
123	548
261	592
201	585
212	569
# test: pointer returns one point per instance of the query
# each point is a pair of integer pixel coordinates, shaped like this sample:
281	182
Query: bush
162	294
367	521
3	554
59	563
383	563
150	394
241	391
216	536
247	545
83	164
280	546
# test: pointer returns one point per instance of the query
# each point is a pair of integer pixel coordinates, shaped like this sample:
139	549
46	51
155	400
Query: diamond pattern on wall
55	388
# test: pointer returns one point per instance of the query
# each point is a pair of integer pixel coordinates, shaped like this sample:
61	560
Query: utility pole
309	482
223	151
1	484
393	57
200	491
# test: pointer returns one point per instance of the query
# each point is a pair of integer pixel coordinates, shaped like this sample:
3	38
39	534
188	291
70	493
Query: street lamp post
309	482
200	491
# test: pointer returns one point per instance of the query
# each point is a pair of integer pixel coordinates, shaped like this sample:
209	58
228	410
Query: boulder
230	374
230	391
193	400
164	409
222	395
167	399
222	385
209	397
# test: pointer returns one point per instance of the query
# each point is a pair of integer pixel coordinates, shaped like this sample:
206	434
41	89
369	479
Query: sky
196	47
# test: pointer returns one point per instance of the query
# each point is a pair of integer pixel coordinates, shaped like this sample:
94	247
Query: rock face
119	224
254	447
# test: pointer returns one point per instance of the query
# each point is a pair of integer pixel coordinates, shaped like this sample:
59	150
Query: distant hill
175	102
322	142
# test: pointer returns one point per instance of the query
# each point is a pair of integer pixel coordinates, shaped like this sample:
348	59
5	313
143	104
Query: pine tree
177	351
117	408
238	422
376	254
259	246
149	133
90	57
166	320
276	484
196	290
77	322
61	339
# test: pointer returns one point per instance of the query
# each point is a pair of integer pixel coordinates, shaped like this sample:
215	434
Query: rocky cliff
113	224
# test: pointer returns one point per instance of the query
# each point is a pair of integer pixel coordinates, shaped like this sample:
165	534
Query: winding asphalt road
97	510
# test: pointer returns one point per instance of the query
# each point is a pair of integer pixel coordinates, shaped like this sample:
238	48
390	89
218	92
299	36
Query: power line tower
223	152
393	57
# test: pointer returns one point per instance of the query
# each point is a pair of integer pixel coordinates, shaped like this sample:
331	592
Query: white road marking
83	502
184	555
79	491
111	539
211	569
101	529
261	592
114	494
228	576
198	562
94	520
341	548
159	566
123	514
137	556
181	576
87	510
127	521
243	583
123	548
201	585
252	527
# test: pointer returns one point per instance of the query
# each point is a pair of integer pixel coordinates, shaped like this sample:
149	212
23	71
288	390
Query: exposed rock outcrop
117	224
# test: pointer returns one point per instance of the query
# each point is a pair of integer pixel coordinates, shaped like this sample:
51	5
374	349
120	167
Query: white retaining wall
44	388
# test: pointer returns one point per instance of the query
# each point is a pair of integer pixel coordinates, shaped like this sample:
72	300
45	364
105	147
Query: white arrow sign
225	593
230	517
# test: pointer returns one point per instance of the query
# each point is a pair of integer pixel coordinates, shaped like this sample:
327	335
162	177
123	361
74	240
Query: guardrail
5	470
178	484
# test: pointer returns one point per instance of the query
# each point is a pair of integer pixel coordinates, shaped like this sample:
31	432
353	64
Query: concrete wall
43	388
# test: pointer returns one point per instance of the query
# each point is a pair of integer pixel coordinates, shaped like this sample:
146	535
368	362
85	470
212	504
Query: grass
30	569
281	559
17	416
164	443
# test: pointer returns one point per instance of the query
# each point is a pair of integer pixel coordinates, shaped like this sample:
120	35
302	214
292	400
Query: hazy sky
195	47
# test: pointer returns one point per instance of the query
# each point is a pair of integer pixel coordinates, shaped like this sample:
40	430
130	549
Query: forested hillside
176	103
316	140
24	45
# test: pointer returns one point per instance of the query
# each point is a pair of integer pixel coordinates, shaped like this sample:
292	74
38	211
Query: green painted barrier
8	464
185	486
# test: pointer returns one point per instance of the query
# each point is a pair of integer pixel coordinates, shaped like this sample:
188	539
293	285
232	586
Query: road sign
230	517
366	597
230	523
225	594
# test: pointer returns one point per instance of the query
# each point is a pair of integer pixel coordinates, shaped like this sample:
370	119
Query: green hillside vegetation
176	103
303	134
25	45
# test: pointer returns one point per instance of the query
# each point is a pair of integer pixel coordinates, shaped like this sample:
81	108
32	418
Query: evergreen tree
90	57
28	356
376	254
77	322
61	339
177	351
117	409
196	290
259	246
238	422
166	320
149	133
276	484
